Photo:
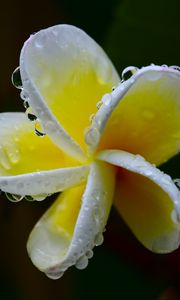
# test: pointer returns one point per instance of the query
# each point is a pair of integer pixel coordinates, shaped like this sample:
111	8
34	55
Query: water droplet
16	78
92	136
38	129
24	95
38	133
4	159
128	72
89	254
31	117
13	197
98	104
29	198
177	182
106	99
26	104
91	118
164	66
175	68
153	75
82	262
98	239
40	197
38	44
14	155
86	208
54	275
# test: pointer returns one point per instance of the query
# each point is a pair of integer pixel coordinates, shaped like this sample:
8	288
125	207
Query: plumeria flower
100	140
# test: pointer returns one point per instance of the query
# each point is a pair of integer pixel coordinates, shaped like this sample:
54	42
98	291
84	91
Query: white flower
103	140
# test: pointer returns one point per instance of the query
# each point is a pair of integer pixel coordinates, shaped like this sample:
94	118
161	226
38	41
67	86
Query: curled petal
69	230
147	199
64	72
142	115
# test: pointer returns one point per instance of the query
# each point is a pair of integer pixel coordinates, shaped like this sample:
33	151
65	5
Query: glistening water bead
128	72
31	117
14	198
29	198
16	78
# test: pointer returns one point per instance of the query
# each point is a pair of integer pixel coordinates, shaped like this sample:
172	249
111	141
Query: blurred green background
133	33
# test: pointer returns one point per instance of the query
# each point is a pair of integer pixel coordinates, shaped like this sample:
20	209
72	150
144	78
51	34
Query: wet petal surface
66	71
148	201
69	230
22	151
143	116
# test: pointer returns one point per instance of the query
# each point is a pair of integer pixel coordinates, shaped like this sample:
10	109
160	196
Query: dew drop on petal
4	159
82	262
31	117
14	198
91	118
128	72
164	66
40	197
14	156
177	182
54	275
26	104
177	68
99	104
38	129
24	96
16	78
99	239
106	99
89	254
29	198
38	44
92	136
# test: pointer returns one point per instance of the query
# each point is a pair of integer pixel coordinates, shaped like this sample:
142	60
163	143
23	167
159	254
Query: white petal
44	182
169	239
110	101
57	49
49	250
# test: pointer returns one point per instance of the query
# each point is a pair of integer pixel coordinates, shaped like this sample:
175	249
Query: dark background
133	33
